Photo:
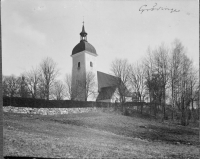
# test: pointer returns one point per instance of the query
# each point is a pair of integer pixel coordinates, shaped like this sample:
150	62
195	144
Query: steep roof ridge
106	80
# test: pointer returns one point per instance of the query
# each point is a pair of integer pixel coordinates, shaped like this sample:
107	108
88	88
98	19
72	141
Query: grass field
96	135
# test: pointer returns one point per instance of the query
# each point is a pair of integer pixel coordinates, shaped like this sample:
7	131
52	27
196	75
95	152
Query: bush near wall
42	103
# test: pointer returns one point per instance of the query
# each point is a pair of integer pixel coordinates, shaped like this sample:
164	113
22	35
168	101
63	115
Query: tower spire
83	34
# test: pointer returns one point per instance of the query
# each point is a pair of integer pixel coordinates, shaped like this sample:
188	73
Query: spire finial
83	34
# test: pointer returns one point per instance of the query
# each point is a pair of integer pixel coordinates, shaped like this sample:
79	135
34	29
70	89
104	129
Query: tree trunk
183	122
193	118
34	91
140	98
172	114
155	109
184	117
47	92
163	104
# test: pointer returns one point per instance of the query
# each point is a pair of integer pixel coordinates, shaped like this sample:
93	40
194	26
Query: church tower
83	66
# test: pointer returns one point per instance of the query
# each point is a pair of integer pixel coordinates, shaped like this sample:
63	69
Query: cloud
24	29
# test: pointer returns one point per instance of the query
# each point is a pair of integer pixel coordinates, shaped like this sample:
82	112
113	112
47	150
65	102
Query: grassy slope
96	135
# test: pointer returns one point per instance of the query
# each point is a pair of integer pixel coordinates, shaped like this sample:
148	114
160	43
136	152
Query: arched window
79	64
91	64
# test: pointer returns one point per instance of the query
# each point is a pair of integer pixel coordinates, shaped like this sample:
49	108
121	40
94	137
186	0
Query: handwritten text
154	8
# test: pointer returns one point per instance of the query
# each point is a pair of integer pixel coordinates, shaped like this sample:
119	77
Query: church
88	84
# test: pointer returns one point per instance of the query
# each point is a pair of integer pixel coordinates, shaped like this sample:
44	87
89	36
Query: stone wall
48	111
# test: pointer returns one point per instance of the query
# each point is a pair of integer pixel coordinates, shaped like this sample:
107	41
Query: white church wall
80	57
78	73
90	57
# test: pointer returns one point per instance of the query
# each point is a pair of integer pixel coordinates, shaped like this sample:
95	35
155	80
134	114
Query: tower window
91	64
79	64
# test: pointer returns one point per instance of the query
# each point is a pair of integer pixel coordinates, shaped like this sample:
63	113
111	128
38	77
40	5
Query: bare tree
58	91
49	73
182	81
194	89
32	80
171	76
161	62
41	88
10	86
137	80
175	72
184	91
121	69
152	81
157	75
23	90
5	86
148	67
68	86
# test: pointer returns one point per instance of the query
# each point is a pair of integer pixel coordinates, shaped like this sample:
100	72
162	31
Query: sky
35	29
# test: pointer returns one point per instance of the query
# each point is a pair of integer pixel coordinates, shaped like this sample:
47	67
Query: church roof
107	85
84	46
106	80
